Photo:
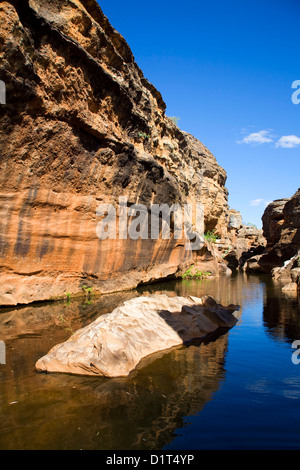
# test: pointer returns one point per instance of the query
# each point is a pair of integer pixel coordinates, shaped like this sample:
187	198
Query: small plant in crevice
143	135
68	297
175	119
88	291
193	273
226	252
210	236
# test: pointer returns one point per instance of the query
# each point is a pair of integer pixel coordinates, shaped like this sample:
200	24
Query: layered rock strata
281	227
241	242
82	126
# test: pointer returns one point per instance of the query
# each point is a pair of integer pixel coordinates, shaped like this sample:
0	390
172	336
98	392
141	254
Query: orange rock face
81	127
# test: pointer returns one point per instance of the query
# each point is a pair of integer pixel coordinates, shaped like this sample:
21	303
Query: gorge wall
241	242
81	127
281	228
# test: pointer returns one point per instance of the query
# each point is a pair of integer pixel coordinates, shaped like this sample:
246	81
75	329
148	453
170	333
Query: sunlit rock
114	344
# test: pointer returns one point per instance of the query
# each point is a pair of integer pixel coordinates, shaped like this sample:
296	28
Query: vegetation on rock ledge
211	237
193	273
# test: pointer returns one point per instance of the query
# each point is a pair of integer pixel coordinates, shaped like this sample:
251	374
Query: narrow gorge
149	281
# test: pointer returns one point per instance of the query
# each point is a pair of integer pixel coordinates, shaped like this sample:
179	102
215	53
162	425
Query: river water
239	390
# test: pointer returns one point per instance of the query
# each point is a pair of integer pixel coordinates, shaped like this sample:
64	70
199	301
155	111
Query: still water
240	390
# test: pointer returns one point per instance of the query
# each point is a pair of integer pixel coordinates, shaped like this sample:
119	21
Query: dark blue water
258	403
239	390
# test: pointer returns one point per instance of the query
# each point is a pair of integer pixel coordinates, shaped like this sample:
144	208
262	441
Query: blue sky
226	69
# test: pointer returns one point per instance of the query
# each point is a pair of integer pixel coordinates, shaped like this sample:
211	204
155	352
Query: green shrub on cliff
175	119
210	236
88	291
193	273
143	135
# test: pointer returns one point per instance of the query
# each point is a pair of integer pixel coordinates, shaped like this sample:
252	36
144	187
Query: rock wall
240	243
82	126
273	220
281	227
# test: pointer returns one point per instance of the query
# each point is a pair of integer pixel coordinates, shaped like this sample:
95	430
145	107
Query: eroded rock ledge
81	127
281	228
114	344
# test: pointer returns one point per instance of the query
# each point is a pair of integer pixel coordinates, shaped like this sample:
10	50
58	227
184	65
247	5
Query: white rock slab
114	344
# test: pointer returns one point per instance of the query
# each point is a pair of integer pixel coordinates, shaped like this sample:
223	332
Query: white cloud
256	202
257	138
288	141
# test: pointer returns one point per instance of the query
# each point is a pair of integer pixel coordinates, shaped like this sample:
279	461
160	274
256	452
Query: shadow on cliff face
280	253
276	255
84	125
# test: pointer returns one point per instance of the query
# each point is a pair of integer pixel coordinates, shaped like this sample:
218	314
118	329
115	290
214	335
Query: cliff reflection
142	411
281	313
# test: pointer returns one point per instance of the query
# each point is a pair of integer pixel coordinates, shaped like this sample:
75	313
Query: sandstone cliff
83	126
240	242
281	227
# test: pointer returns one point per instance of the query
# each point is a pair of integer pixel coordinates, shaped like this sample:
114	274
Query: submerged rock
114	344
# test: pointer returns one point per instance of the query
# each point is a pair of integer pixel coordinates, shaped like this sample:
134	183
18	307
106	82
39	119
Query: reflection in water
142	411
62	411
139	412
281	313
